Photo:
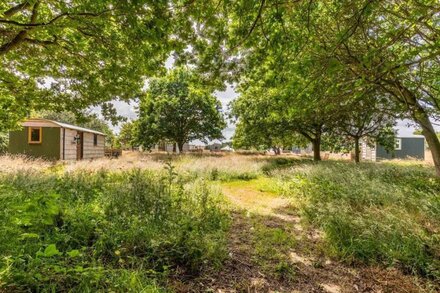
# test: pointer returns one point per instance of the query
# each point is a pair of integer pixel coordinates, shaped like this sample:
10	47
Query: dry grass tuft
196	164
126	162
226	163
15	163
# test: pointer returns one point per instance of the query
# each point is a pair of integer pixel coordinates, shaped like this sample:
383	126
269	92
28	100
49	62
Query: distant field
158	223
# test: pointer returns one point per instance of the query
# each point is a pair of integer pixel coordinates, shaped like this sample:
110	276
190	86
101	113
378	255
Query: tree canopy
69	55
179	108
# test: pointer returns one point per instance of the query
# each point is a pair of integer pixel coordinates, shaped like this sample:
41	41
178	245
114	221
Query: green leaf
73	253
29	235
51	250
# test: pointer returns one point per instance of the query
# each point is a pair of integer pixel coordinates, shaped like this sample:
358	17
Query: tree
258	126
127	134
275	114
388	48
179	108
257	129
69	55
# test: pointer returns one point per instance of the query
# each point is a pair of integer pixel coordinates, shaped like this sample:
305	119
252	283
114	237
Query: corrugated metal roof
69	126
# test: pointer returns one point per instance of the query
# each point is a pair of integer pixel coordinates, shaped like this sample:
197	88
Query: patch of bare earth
313	272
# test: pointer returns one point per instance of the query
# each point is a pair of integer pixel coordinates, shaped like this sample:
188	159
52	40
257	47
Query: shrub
88	231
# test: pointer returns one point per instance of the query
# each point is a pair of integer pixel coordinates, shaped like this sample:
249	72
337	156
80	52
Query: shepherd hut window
34	135
95	139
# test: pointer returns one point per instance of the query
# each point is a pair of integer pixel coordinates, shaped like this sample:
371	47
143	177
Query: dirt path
271	251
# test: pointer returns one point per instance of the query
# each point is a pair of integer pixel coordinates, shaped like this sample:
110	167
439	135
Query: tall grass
189	167
14	163
101	231
373	213
225	168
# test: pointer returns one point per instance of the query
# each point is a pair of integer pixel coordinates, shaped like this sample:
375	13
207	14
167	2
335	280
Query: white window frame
398	144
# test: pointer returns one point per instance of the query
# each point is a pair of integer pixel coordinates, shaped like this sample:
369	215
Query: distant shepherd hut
404	148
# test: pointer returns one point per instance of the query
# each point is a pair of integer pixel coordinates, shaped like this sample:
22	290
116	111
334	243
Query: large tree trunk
431	138
420	116
316	149
357	150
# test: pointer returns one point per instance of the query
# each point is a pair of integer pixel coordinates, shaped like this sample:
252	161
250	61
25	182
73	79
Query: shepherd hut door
80	146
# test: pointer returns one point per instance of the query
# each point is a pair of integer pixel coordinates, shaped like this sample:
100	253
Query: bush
373	213
106	231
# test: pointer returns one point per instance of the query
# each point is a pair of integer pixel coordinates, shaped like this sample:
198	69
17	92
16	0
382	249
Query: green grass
372	213
262	184
102	231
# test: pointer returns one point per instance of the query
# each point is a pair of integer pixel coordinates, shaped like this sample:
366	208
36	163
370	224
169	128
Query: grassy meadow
154	223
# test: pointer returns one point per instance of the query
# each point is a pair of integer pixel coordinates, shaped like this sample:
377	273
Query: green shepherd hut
56	141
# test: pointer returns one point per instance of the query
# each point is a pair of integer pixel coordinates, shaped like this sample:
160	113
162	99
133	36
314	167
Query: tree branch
13	10
19	38
41	42
254	24
64	14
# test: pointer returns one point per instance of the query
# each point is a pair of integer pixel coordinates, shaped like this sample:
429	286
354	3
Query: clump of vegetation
373	213
14	163
89	231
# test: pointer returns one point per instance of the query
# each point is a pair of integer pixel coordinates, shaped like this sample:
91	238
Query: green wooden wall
49	148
